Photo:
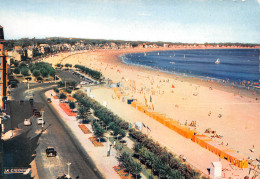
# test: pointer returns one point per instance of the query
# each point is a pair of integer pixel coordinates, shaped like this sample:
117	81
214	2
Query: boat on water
184	56
144	54
172	62
217	61
158	53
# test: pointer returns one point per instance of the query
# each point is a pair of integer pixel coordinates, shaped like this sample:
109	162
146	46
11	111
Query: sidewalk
98	154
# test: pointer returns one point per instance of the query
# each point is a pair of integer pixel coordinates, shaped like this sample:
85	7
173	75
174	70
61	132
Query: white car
27	122
40	121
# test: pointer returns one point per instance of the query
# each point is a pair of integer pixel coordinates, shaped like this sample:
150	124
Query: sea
237	67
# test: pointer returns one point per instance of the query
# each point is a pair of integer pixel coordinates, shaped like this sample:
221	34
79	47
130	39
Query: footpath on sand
98	154
197	156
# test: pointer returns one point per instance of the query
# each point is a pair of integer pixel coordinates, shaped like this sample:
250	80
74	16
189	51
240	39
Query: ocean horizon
238	67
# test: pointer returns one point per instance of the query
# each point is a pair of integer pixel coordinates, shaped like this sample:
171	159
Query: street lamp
68	176
42	119
108	147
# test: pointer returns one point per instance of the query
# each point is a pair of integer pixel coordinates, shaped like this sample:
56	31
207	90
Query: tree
58	65
83	113
63	96
17	70
135	168
36	73
16	63
72	84
99	132
67	65
52	73
44	72
72	105
25	71
137	147
56	90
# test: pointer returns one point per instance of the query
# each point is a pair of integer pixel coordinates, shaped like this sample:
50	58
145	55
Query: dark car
49	100
37	114
31	101
50	152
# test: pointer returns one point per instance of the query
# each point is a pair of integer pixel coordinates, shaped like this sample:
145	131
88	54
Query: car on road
49	100
37	114
27	122
31	100
40	121
50	152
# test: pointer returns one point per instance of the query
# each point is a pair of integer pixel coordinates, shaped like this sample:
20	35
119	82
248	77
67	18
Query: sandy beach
231	112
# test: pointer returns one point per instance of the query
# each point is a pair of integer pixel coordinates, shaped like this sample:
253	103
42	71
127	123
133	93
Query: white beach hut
216	170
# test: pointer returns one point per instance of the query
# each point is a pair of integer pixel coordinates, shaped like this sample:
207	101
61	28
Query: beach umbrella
173	86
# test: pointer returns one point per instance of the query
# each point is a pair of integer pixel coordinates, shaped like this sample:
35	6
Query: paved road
36	142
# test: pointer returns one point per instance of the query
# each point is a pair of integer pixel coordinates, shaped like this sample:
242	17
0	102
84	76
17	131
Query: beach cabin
139	125
216	170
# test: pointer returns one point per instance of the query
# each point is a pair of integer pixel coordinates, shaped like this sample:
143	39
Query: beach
233	113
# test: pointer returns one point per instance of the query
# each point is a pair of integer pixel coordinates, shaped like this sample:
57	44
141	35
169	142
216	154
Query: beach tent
139	125
216	170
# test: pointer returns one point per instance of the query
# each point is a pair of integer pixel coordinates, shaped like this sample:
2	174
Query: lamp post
42	119
28	86
68	176
108	147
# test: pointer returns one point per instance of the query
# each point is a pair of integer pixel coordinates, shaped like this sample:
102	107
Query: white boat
158	53
217	61
172	62
184	56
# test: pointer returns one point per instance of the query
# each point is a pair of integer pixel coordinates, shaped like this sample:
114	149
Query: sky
190	21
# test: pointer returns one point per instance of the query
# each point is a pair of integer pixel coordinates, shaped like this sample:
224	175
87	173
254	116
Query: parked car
50	152
40	121
49	100
27	122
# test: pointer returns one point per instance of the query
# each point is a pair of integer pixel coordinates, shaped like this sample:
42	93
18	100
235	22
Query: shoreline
241	91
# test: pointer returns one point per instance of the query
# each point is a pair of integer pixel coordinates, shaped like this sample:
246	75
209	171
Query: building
3	70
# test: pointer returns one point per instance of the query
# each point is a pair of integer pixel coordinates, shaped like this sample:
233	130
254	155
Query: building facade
3	70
